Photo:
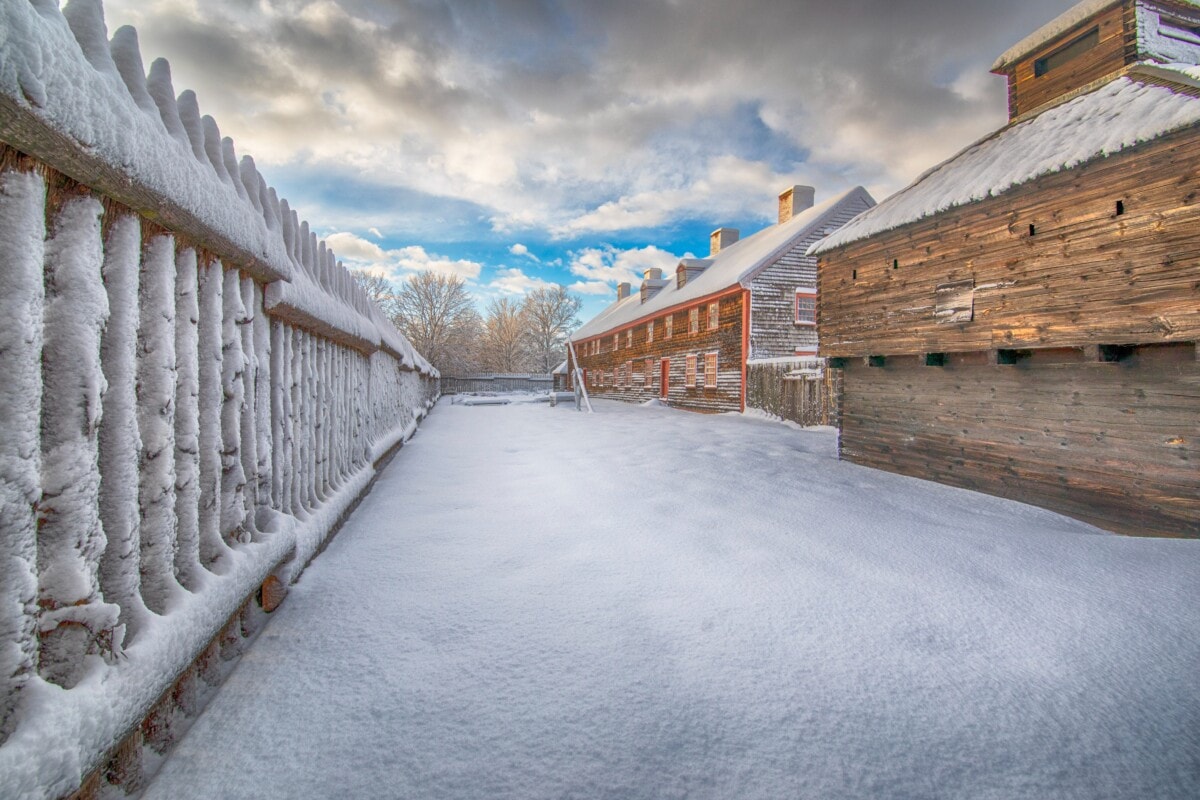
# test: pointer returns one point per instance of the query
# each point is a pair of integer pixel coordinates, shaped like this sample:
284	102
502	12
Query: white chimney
623	290
652	274
720	239
793	200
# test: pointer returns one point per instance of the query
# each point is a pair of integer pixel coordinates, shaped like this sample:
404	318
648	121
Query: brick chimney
793	200
720	239
623	290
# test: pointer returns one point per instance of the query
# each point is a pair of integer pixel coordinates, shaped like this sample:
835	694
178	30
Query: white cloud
358	253
591	287
515	281
610	265
519	249
375	232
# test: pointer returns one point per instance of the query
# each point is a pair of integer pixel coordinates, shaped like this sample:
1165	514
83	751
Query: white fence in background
192	394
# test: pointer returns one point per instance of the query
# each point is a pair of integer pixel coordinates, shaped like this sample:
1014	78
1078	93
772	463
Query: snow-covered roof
736	264
561	369
1118	115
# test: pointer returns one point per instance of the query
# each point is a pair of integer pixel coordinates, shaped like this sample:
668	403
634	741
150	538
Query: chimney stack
652	274
793	200
720	239
623	290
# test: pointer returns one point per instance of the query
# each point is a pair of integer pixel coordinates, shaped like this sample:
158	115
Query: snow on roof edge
1123	99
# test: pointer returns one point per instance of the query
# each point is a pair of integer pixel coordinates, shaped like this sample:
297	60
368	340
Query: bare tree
378	288
505	344
438	316
551	314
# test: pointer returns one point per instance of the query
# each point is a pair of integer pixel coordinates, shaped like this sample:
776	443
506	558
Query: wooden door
663	384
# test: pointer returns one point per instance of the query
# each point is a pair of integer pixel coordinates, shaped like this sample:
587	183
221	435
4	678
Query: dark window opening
838	362
876	361
895	263
1068	52
1032	231
1011	356
853	274
1120	208
935	359
1112	353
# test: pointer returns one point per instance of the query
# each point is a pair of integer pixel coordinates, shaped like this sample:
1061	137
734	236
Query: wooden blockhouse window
694	320
1032	230
806	307
710	370
1113	353
667	322
1120	207
853	274
895	263
714	316
876	361
935	359
954	303
1068	52
689	374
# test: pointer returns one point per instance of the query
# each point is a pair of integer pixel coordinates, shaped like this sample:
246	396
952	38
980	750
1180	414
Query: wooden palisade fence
192	394
802	390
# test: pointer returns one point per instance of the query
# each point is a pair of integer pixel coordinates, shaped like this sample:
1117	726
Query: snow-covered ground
647	603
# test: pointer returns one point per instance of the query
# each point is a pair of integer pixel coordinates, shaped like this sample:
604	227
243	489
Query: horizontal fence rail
193	392
462	384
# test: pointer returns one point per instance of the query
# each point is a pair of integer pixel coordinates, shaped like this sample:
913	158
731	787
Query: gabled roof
736	265
1120	114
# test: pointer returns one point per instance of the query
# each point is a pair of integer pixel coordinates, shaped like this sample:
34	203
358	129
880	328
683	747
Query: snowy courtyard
647	603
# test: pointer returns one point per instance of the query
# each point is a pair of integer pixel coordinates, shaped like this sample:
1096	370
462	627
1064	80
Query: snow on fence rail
192	393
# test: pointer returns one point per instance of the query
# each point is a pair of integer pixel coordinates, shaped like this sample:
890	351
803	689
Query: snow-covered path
645	603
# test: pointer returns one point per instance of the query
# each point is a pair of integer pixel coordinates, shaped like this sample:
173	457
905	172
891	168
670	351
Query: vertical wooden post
187	420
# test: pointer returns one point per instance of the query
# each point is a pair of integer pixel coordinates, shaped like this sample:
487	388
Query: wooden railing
193	392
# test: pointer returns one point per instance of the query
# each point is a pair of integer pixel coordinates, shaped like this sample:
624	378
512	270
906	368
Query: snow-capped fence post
22	231
192	393
74	621
120	442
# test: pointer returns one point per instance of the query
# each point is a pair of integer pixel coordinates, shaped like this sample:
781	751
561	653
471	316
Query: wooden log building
686	340
1023	319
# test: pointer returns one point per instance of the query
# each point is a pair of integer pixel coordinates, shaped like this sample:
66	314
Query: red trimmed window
649	372
806	307
713	316
710	370
616	340
694	320
650	332
629	338
689	374
667	325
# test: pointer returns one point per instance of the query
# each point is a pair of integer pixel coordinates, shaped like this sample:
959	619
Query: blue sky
529	142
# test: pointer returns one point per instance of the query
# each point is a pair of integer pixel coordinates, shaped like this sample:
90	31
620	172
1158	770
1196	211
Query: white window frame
694	320
710	370
650	332
689	371
668	323
629	338
806	294
714	316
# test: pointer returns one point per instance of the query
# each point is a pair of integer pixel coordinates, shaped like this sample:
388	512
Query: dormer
652	283
688	269
1092	42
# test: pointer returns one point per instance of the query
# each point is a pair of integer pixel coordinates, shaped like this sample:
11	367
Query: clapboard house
1023	319
685	338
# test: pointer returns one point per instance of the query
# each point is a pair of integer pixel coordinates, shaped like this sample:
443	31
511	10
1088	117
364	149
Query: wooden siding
1115	49
1116	444
1087	275
773	329
726	340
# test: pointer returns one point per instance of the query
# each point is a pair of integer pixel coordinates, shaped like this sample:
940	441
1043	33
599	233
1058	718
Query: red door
665	366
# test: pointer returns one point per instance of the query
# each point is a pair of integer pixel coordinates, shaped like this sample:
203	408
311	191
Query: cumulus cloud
358	253
515	281
519	249
610	265
575	117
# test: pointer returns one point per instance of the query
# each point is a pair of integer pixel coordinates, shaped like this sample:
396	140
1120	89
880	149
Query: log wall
1116	444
